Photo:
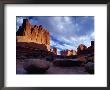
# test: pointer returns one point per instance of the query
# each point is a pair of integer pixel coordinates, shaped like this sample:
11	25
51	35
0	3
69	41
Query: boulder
89	67
36	66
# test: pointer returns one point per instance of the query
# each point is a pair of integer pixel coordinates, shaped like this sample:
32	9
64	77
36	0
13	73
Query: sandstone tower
55	51
36	34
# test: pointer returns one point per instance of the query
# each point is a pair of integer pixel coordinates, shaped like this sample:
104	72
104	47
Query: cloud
66	32
19	21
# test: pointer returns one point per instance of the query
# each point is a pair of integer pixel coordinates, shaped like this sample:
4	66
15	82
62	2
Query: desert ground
54	69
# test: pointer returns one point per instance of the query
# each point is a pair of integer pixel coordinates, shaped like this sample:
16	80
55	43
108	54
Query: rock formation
54	50
68	52
91	48
36	34
81	49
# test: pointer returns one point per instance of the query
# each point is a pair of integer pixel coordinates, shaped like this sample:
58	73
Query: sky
66	32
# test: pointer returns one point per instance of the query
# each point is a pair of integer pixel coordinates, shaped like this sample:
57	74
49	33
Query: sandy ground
54	69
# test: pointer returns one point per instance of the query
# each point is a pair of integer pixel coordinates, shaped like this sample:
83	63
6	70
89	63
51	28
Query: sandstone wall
36	34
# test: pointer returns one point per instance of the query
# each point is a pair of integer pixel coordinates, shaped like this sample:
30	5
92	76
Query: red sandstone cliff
36	34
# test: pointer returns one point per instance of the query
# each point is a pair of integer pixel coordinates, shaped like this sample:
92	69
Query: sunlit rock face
68	52
36	34
81	48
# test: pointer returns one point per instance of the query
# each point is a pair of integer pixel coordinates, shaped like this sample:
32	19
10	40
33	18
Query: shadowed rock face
82	49
31	46
36	34
30	50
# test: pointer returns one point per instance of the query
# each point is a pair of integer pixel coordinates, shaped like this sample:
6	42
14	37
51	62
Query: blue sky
66	32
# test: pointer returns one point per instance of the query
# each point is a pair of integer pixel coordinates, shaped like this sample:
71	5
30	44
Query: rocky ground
53	69
35	59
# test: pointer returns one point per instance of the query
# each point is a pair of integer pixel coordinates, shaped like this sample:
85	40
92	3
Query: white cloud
19	20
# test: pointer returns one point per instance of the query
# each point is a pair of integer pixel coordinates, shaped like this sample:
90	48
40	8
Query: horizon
66	32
